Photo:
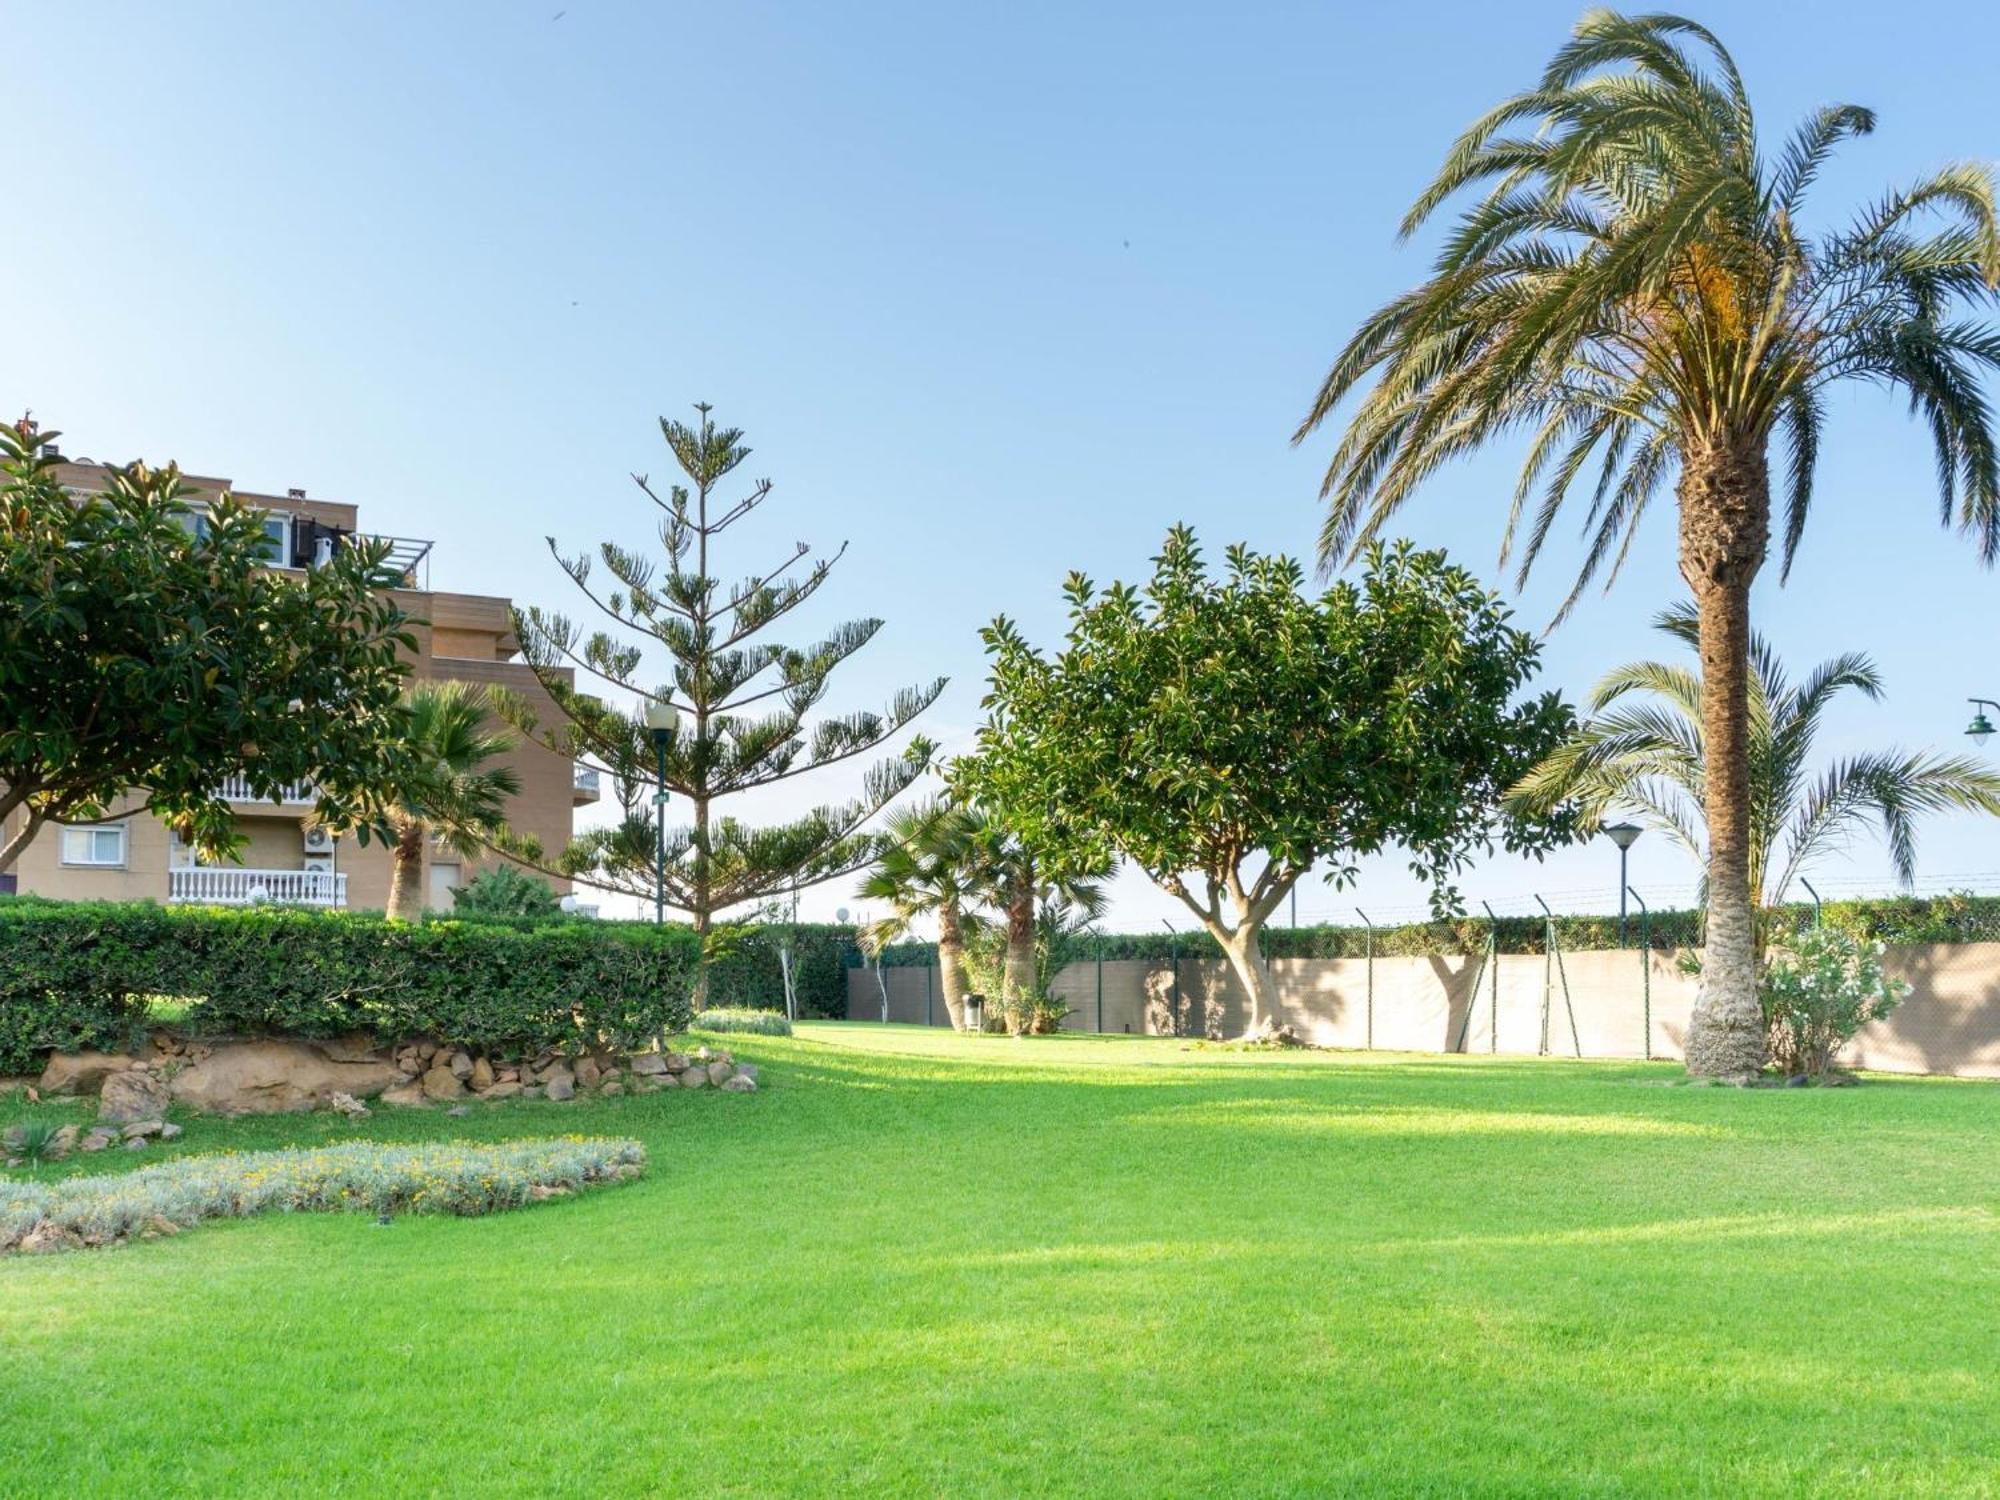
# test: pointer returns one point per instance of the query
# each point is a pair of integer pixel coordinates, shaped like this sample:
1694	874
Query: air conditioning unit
318	864
318	841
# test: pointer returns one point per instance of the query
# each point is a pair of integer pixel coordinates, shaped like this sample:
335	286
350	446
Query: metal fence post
1816	901
1371	975
1554	961
928	1020
1645	968
1493	982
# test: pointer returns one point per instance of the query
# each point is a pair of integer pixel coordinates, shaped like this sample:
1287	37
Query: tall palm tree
448	792
1633	287
932	864
1651	757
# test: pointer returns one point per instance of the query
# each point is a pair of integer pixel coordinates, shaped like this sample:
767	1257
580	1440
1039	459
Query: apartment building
464	637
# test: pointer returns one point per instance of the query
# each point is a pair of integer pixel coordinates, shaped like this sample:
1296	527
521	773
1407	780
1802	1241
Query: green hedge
83	974
1955	918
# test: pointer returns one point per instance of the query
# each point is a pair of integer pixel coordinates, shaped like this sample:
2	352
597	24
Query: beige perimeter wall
1608	1004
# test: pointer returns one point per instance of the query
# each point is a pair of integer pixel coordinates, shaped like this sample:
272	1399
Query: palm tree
931	864
1634	288
1020	884
448	792
1650	757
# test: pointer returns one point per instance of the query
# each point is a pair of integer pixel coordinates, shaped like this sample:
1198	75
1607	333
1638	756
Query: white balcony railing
586	784
298	794
229	885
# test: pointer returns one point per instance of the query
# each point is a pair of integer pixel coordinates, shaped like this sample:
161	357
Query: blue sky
997	292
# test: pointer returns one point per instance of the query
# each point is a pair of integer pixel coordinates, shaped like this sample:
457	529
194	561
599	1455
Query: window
277	550
98	844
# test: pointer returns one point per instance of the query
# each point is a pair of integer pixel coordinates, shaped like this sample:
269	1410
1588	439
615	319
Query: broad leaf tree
1636	287
146	656
1229	733
749	707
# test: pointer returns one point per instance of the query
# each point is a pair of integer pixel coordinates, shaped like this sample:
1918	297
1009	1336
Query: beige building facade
462	637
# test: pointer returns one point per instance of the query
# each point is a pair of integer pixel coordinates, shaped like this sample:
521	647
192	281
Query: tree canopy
1229	733
148	648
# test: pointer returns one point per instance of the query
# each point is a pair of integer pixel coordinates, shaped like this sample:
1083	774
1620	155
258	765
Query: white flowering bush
362	1177
1818	991
728	1018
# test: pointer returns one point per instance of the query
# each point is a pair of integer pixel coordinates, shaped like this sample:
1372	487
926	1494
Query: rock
356	1046
482	1075
408	1063
97	1140
170	1131
345	1103
441	1082
137	1143
608	1090
532	1091
677	1062
695	1078
406	1096
747	1070
650	1064
587	1072
723	1055
561	1084
140	1129
47	1238
274	1076
702	1054
426	1051
719	1071
644	1085
739	1084
459	1111
509	1075
160	1224
461	1063
64	1142
506	1088
81	1072
132	1094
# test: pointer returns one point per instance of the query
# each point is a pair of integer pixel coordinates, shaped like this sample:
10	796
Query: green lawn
923	1264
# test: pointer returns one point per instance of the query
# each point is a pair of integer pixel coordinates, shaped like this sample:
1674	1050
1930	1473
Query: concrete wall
1613	1002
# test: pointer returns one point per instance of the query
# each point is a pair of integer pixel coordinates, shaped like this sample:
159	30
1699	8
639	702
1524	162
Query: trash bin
975	1013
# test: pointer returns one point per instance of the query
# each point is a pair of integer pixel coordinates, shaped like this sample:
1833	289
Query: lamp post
1624	835
1980	730
664	721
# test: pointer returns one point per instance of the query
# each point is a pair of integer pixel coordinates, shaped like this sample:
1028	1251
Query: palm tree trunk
406	873
1725	520
951	964
1019	975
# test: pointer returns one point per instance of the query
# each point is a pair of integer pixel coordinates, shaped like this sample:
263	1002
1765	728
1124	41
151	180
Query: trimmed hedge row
1955	918
84	974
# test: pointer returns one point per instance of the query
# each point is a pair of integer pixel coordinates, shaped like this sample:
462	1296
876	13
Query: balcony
231	885
586	786
298	794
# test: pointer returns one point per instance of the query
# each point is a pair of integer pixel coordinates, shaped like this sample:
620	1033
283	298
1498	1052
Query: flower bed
449	1178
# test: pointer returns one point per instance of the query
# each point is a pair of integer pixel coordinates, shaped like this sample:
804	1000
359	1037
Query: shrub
1818	991
449	1178
504	891
735	1018
81	974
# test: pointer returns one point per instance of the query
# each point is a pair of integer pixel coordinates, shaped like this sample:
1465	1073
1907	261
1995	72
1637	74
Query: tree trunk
699	999
406	873
1246	959
1018	977
951	964
1725	518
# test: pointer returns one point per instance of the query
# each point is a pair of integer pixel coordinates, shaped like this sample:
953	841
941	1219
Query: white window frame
121	830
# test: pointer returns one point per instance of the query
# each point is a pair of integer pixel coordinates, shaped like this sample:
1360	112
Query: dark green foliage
81	974
137	657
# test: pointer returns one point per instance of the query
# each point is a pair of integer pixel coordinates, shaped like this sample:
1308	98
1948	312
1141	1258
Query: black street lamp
1624	835
663	720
